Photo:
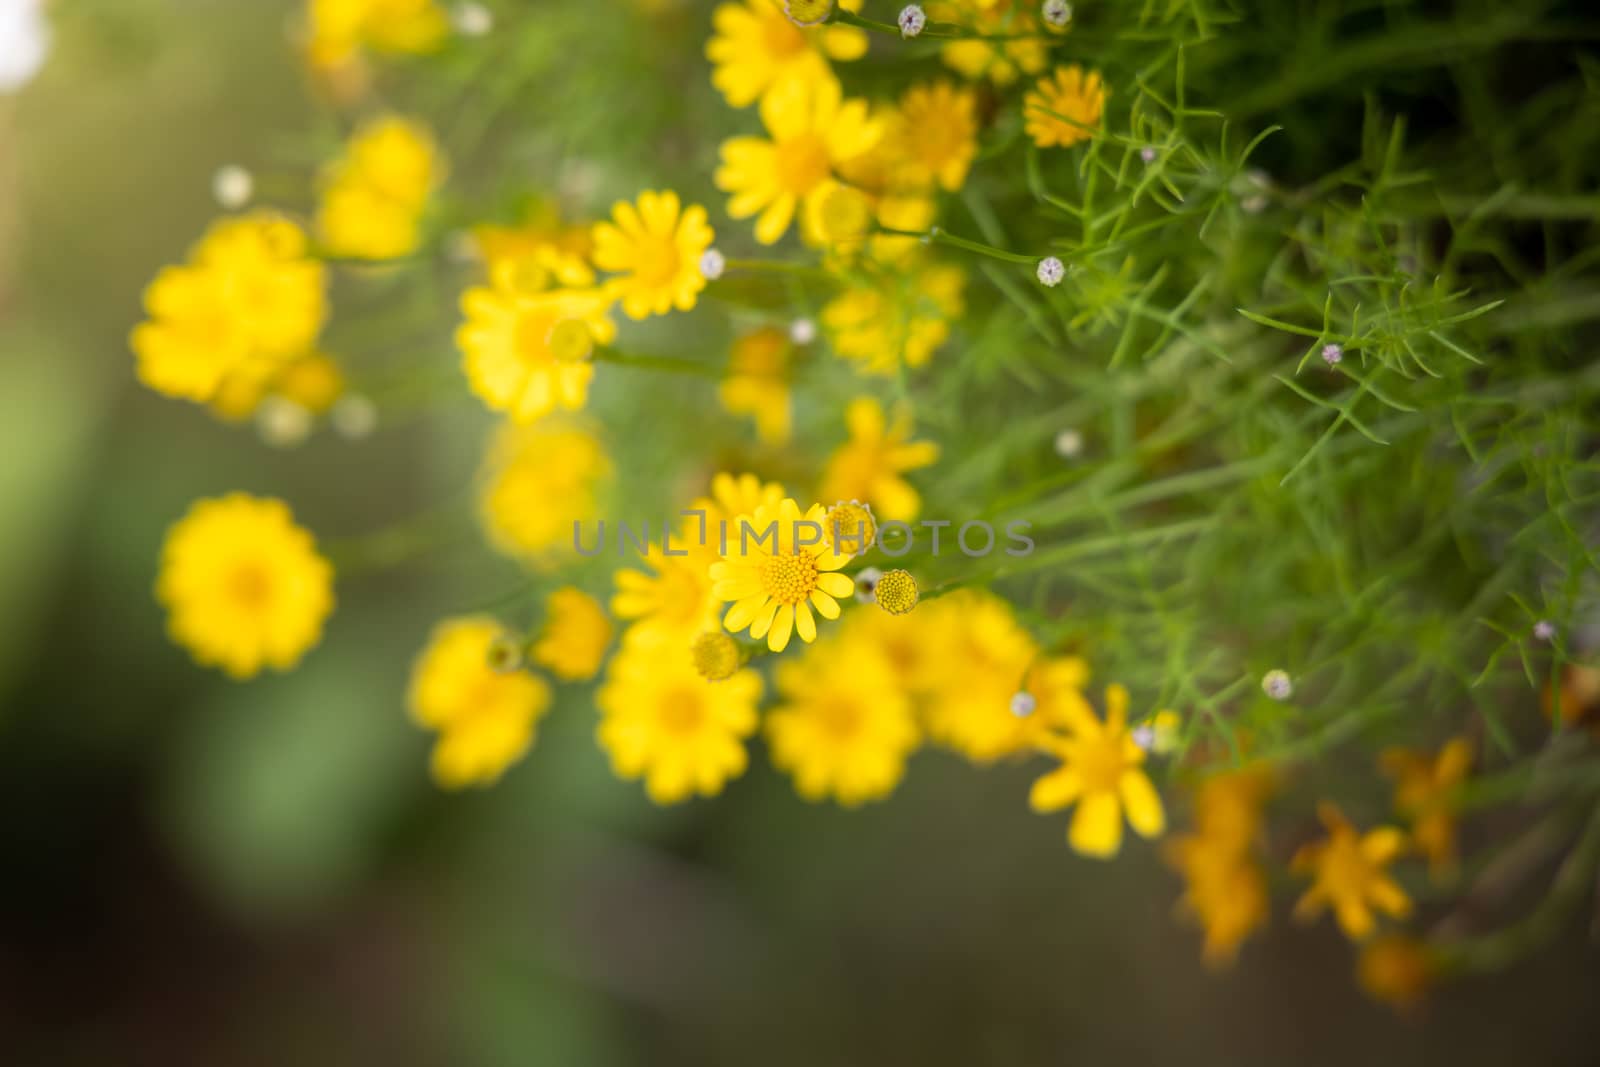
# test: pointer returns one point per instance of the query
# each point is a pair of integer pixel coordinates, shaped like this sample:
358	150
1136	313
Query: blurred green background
202	872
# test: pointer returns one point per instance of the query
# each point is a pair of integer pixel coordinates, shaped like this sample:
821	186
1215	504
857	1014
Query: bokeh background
199	872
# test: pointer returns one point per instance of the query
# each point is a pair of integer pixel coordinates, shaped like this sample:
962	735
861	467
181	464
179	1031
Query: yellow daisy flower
775	580
485	717
1006	40
541	239
917	647
1064	108
844	727
937	135
758	383
526	352
1424	793
339	29
656	244
575	637
869	466
249	300
755	47
668	600
538	482
733	496
1397	969
374	194
1225	892
1348	873
812	129
243	585
895	319
662	722
1102	773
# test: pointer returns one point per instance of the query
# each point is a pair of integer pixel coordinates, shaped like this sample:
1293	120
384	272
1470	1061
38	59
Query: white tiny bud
282	423
1332	354
233	186
1277	685
867	584
1069	444
354	416
712	264
1148	153
802	331
1544	630
1051	271
912	19
1144	735
472	20
1023	703
1056	13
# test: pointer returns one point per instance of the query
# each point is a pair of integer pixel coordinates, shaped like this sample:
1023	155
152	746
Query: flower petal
1097	826
1055	790
782	627
1142	803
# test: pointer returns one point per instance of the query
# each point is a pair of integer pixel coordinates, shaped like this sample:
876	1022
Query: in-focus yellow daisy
1006	38
844	727
1348	871
655	246
374	194
249	300
1102	773
339	29
777	568
868	467
485	714
758	383
756	47
811	130
538	482
577	631
243	585
895	318
1424	793
527	352
1065	107
662	722
937	135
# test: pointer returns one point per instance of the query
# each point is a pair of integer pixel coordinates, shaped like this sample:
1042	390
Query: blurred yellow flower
756	47
916	646
937	135
249	300
374	194
812	129
757	383
656	245
525	352
844	727
1424	793
775	578
538	482
339	29
1065	107
1348	873
669	600
976	657
1396	969
576	634
1006	41
661	721
1225	886
868	467
485	715
1102	773
543	241
731	497
243	585
896	318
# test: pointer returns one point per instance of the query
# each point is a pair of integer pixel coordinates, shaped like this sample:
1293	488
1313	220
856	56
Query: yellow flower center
532	336
681	711
1099	761
803	163
780	37
840	718
570	341
250	586
656	261
1345	871
789	579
